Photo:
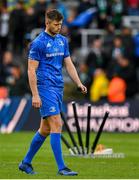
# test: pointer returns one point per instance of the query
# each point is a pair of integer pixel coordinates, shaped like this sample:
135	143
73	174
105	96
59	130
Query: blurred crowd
110	68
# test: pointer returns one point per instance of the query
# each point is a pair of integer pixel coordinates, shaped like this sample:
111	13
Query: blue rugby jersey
50	52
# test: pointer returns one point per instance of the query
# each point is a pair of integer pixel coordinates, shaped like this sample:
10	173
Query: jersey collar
48	35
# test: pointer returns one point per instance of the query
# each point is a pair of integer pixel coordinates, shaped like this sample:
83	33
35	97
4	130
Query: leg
55	124
55	139
35	145
44	129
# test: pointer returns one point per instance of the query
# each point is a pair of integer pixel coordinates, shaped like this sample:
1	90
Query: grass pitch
14	146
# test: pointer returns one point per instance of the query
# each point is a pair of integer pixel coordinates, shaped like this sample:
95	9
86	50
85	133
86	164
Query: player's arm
32	67
73	74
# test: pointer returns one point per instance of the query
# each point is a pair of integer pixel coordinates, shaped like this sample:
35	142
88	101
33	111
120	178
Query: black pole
72	151
88	128
78	127
99	132
70	133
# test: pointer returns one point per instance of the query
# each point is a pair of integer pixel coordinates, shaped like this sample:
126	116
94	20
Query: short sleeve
66	53
34	52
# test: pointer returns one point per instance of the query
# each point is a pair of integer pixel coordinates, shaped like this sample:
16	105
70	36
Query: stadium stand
102	34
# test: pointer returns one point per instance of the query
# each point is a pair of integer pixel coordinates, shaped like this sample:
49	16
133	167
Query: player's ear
46	22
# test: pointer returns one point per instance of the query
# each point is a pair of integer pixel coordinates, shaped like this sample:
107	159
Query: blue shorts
51	101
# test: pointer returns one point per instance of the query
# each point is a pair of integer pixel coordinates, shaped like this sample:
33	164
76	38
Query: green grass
14	146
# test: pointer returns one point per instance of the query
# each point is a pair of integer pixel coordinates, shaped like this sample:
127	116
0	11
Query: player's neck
48	32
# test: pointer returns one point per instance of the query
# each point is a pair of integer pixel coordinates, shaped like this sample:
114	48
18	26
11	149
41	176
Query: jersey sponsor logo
48	45
55	54
52	109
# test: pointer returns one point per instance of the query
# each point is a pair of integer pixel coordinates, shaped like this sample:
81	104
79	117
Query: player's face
54	27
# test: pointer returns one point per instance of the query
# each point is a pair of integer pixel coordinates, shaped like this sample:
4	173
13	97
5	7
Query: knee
44	131
56	126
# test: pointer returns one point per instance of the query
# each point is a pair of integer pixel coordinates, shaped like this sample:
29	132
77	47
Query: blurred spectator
128	73
30	22
136	50
109	15
4	28
102	13
72	14
17	27
133	7
7	59
117	90
117	10
8	69
118	48
99	87
95	60
96	57
3	92
108	39
11	4
0	59
40	8
83	73
128	42
11	76
56	4
124	68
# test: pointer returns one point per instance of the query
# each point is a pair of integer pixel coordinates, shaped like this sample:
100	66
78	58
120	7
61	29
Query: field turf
14	146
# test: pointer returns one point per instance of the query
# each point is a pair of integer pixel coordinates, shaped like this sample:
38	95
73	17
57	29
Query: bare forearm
73	74
33	82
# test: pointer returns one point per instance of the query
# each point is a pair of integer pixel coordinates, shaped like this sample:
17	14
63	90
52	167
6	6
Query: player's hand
36	102
82	88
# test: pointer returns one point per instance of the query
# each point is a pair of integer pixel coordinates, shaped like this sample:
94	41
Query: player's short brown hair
53	14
